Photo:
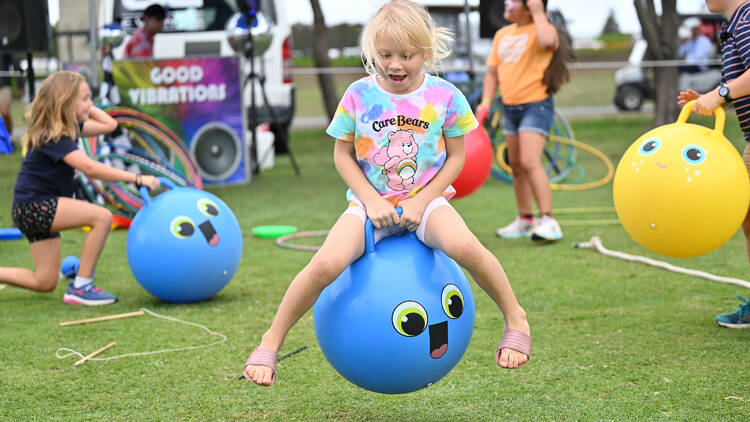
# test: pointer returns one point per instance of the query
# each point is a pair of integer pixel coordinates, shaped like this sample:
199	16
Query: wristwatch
724	92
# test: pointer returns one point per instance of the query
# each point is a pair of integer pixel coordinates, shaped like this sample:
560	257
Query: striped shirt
735	59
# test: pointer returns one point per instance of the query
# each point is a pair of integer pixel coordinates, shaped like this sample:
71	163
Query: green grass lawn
612	340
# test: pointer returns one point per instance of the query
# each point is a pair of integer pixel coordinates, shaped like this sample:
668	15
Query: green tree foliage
611	26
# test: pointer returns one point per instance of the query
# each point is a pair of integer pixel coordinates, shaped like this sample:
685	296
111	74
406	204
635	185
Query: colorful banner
199	99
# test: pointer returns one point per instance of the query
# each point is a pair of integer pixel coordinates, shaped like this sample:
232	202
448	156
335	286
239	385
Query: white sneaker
546	229
518	228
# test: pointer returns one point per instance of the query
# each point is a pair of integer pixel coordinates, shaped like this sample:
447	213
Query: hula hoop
155	132
506	175
570	187
119	111
152	147
283	241
560	126
612	222
585	210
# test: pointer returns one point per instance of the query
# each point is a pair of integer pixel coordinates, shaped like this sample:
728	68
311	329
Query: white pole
93	45
468	38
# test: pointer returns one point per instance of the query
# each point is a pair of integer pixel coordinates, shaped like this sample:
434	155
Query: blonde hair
410	25
52	114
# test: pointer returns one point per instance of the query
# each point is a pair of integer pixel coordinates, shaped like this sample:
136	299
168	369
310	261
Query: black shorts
34	219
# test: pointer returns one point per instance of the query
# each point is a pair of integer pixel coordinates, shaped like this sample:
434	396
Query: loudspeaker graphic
218	152
491	17
24	25
200	99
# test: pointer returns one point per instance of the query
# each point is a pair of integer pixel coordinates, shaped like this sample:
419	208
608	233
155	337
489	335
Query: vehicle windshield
184	15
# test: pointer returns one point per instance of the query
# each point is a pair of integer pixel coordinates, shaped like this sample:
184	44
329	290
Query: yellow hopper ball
682	189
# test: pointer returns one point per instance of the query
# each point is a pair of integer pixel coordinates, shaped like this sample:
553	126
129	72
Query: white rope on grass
70	352
596	244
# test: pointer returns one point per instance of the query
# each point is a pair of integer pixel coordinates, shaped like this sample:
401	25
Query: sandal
262	356
515	340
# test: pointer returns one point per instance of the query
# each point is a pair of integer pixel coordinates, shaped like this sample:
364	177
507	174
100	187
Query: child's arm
79	160
546	33
98	123
489	90
381	212
414	207
738	87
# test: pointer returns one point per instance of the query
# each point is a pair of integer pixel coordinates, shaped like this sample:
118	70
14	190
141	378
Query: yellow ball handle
718	113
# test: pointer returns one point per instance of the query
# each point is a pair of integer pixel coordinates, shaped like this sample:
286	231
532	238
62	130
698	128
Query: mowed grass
612	340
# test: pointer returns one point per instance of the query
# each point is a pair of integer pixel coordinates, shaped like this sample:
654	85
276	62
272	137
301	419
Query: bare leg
530	161
46	253
72	213
521	186
746	230
344	244
447	232
46	256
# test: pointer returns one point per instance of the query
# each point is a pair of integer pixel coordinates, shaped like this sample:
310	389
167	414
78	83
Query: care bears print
398	159
400	139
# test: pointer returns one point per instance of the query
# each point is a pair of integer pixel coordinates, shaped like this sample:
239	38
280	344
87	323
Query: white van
198	28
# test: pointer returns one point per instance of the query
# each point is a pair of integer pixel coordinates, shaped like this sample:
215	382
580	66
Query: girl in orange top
528	61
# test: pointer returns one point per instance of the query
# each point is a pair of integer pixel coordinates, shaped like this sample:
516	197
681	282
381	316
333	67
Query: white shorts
357	208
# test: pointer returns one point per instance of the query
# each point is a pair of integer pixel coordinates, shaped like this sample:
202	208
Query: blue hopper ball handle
144	190
370	233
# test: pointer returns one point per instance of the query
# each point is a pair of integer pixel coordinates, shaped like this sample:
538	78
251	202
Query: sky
585	17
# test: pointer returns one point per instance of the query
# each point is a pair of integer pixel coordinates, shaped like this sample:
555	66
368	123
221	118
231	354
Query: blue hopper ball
69	267
398	319
184	245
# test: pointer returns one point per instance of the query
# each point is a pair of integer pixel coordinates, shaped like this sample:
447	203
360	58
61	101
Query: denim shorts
530	117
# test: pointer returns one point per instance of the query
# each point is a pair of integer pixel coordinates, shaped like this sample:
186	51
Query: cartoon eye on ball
409	318
453	301
207	207
649	146
693	154
182	227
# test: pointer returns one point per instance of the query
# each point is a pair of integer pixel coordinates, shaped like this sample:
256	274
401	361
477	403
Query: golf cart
635	83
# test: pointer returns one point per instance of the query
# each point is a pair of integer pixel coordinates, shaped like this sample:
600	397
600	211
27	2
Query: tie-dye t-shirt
400	139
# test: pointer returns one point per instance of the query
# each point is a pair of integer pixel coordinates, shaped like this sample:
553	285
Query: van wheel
281	137
628	98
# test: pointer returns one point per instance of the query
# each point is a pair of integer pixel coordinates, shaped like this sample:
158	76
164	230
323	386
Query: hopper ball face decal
184	226
411	319
654	161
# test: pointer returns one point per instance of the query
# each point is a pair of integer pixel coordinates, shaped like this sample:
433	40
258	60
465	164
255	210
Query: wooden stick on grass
84	359
104	318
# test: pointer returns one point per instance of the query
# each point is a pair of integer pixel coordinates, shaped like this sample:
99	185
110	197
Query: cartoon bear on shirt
399	159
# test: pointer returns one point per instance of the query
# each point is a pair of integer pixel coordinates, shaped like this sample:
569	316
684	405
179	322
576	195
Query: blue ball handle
370	233
144	190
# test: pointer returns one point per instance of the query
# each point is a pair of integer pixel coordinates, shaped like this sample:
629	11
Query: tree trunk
321	60
661	34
